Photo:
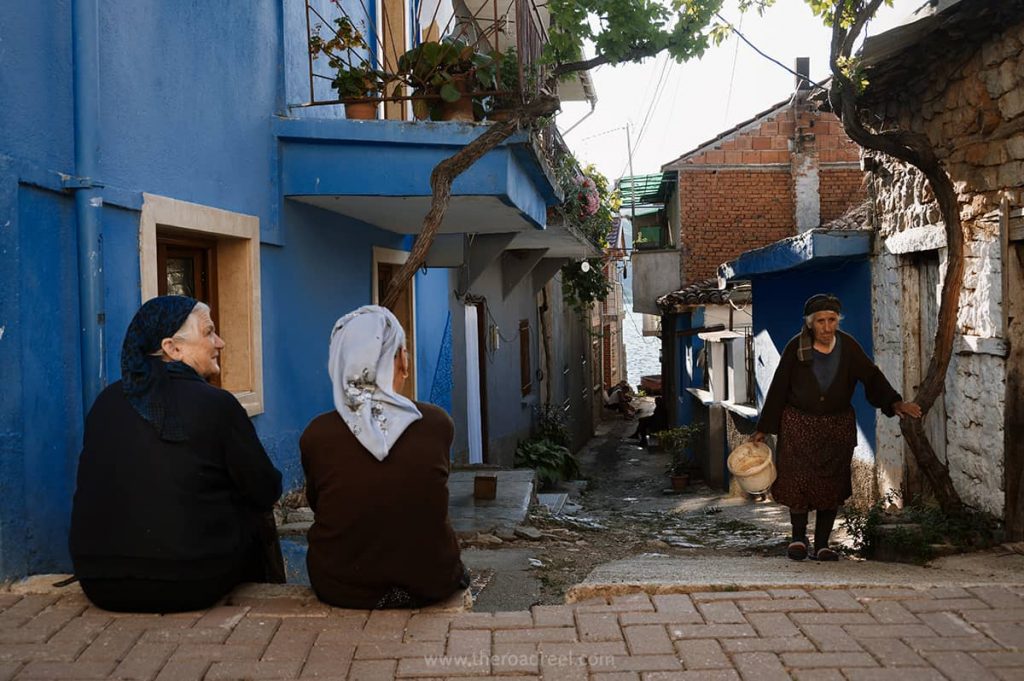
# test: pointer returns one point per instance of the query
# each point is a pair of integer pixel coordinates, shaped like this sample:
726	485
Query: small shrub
551	461
676	441
551	425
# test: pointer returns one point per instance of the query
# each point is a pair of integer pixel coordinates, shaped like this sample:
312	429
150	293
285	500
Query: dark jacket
795	384
380	524
148	508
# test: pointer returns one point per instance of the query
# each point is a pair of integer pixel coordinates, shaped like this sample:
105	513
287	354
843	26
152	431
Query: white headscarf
362	367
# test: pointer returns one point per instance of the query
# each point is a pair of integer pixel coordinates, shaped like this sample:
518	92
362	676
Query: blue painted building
782	276
171	149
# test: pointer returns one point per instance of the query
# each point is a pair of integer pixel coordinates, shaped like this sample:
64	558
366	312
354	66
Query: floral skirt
813	460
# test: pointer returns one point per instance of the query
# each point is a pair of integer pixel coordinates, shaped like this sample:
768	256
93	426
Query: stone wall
969	103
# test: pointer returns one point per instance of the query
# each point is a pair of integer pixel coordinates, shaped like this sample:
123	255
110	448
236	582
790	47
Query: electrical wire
732	75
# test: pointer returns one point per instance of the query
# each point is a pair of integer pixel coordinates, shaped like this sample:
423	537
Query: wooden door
188	267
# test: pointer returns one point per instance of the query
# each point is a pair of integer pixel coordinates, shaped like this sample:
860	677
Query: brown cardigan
794	384
380	524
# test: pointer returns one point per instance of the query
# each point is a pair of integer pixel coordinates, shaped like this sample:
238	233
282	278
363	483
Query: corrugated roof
646	190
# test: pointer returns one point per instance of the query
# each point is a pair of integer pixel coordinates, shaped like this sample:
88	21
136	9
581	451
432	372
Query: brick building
786	170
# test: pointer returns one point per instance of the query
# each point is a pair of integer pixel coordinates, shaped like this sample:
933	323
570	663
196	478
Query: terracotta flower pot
679	482
361	111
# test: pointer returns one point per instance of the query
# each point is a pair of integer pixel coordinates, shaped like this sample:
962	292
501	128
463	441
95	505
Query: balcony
377	170
652	203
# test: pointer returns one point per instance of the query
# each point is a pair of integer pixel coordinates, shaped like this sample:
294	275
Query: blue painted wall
189	96
779	303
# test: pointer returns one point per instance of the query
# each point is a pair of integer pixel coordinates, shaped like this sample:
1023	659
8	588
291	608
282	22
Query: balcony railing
489	52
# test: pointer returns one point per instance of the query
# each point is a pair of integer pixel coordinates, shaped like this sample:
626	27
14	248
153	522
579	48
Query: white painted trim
161	211
391	256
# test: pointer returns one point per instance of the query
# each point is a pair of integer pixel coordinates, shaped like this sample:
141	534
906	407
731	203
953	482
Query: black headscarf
819	302
145	378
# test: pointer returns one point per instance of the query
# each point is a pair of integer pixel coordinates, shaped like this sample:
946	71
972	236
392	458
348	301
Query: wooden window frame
238	312
391	256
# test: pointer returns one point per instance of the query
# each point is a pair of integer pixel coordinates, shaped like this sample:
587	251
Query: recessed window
211	255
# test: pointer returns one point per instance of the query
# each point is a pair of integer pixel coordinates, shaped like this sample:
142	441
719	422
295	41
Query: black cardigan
795	384
147	508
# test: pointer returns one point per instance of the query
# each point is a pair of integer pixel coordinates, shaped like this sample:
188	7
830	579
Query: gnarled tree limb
916	150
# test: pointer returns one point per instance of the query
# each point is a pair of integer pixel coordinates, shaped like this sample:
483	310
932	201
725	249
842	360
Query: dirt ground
624	510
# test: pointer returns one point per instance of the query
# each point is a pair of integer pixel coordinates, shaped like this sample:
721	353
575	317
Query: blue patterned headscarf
144	377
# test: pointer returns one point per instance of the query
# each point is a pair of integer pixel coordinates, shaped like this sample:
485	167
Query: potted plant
507	84
677	442
552	462
355	78
446	72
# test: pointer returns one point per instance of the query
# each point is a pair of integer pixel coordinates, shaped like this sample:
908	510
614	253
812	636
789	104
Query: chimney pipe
803	73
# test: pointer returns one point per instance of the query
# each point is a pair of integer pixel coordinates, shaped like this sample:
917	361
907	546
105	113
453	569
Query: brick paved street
809	635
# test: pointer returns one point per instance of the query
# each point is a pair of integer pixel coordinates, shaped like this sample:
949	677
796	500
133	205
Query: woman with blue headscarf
377	478
172	478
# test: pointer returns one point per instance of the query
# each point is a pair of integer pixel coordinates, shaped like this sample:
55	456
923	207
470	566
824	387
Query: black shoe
797	550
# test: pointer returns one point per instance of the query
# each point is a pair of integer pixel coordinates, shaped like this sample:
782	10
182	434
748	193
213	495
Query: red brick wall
725	213
840	188
747	200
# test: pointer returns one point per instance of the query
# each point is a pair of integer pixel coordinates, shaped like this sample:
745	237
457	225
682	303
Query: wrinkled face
824	325
200	347
401	369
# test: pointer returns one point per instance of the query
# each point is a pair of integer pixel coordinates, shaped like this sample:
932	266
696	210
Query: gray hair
190	328
809	319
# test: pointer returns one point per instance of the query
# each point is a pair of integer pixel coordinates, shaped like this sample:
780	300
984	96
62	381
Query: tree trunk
916	150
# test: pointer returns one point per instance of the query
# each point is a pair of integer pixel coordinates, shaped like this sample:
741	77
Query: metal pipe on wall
88	199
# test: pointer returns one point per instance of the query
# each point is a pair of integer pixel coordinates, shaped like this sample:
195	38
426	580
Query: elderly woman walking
809	406
376	478
172	479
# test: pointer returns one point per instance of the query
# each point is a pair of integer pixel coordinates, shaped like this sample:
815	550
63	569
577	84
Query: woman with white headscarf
377	478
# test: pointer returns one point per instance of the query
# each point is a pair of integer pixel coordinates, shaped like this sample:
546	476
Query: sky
699	99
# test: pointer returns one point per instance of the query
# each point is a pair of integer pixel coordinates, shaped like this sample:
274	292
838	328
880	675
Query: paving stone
186	670
892	652
887	630
444	665
386	624
888	593
964	643
902	674
1005	659
390	650
774	624
212	652
143	662
66	670
891	612
952	604
427	627
512	620
834	660
1011	615
675	603
721	612
729	596
553	615
702	654
651	639
837	600
225	616
710	631
469	642
831	638
250	671
1007	634
372	670
699	675
552	634
788	644
636	663
598	626
518	658
947	592
840	618
1010	674
959	665
818	675
328	661
948	624
760	667
998	597
788	593
289	644
781	605
663	617
254	631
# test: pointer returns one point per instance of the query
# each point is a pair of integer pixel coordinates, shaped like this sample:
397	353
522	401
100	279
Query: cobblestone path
819	635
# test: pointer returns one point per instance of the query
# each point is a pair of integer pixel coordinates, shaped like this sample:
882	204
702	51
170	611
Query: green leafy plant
552	462
354	75
448	69
551	425
581	287
676	441
915	531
